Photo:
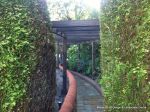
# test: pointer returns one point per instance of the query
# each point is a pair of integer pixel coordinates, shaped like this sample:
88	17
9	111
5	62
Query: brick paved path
88	99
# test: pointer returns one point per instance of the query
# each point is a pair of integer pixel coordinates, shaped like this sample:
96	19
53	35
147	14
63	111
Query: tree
67	10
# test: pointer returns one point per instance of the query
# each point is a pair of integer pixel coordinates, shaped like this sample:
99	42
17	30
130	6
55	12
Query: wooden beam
76	41
94	28
83	35
79	37
81	32
74	38
82	39
74	23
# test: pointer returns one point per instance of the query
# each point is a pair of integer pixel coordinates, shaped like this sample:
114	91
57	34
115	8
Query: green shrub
125	43
16	54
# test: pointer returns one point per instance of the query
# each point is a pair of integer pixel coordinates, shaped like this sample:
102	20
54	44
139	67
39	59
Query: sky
95	4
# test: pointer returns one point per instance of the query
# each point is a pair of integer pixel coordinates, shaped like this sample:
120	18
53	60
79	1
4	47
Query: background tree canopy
125	52
73	9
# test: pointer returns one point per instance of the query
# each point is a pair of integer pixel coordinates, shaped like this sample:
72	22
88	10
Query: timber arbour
73	32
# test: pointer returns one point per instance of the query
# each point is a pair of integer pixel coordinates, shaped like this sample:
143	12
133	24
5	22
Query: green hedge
16	54
125	47
21	33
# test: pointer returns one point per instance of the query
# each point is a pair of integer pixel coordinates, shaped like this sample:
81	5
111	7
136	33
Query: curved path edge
92	82
70	99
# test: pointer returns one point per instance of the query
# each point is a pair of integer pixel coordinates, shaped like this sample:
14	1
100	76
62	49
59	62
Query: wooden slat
82	35
76	30
77	38
94	28
74	23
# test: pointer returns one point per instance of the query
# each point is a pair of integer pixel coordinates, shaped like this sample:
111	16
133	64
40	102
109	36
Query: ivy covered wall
27	60
125	53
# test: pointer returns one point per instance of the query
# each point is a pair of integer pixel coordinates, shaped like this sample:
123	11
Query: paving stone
88	99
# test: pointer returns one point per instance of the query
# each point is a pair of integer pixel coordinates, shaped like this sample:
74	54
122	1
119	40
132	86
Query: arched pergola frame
74	32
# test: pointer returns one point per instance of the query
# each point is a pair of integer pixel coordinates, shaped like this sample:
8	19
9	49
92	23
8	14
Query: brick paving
88	99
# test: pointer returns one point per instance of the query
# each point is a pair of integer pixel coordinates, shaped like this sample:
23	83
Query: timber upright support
79	49
57	55
93	58
64	65
61	55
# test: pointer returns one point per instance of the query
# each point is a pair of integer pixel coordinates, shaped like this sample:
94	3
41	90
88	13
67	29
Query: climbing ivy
22	31
125	52
16	54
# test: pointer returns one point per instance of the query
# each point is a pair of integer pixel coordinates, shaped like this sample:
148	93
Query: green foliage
84	63
16	54
71	10
72	56
24	33
125	43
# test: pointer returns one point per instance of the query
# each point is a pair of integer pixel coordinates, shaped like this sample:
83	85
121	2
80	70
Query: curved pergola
74	32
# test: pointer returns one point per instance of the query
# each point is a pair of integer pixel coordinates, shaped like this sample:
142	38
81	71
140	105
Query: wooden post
78	59
57	55
64	66
61	55
93	58
79	51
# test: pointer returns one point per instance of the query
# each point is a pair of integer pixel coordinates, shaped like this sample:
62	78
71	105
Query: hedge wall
27	60
125	52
